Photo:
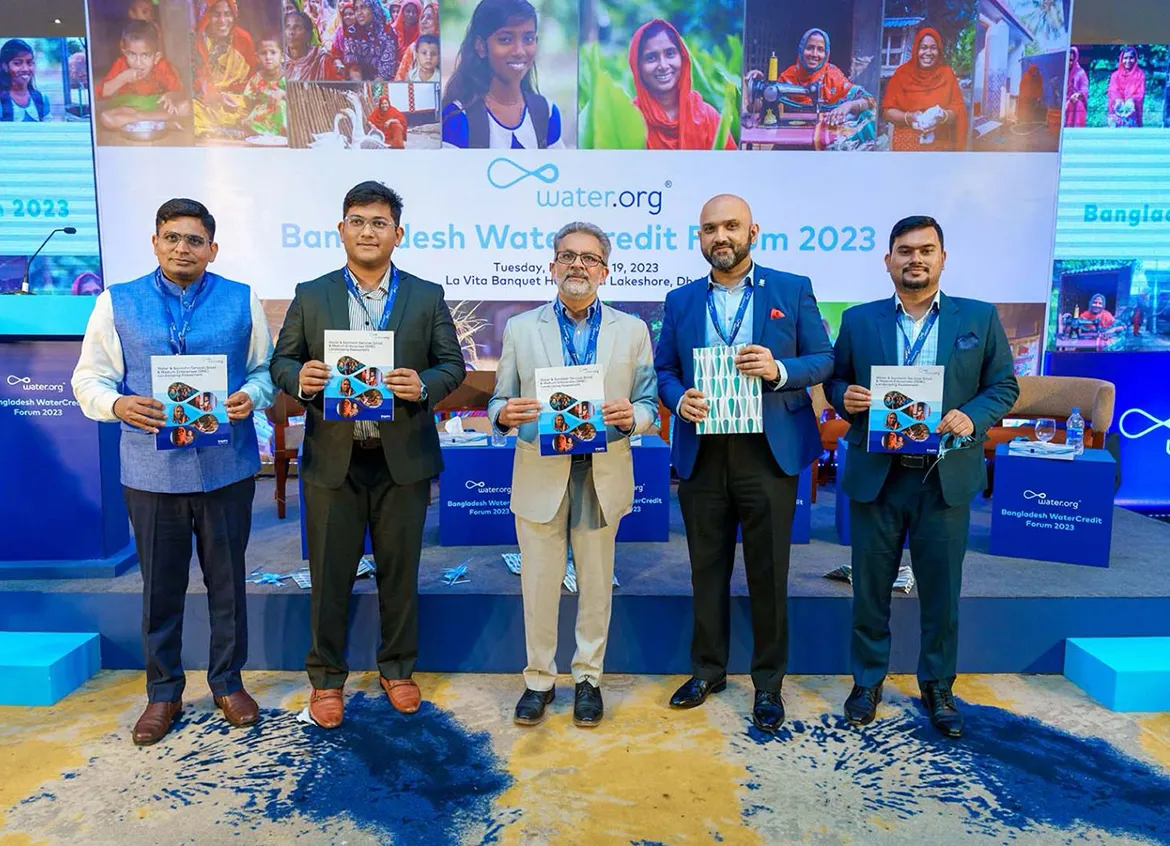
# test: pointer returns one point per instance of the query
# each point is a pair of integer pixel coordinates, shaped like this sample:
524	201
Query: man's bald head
726	206
726	233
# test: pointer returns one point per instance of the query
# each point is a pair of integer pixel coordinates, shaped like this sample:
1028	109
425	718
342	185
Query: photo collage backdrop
509	118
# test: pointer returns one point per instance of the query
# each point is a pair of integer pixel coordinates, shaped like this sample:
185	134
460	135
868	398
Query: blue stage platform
1016	614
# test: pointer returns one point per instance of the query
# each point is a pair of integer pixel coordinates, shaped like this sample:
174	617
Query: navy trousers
219	521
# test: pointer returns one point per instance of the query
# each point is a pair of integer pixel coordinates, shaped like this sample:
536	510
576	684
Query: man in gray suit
364	475
577	499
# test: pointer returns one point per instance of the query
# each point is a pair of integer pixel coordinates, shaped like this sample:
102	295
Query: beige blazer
533	340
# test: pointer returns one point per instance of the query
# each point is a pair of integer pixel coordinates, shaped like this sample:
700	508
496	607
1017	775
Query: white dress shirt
97	379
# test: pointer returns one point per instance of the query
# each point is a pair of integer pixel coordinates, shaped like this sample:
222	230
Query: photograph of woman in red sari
305	60
225	58
1076	99
923	103
1127	91
677	117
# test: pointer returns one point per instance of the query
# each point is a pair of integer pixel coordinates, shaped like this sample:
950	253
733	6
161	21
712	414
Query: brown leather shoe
239	708
327	707
155	722
403	694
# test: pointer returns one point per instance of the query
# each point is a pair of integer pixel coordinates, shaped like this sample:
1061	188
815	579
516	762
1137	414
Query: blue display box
475	488
1122	673
42	668
1053	510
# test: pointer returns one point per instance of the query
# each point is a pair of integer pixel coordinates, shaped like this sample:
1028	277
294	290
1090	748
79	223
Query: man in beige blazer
579	499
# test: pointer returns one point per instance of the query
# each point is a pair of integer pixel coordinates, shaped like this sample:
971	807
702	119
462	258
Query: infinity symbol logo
470	485
504	173
1034	495
1154	422
17	380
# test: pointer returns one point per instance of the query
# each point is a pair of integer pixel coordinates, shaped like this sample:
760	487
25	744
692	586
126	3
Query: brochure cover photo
570	409
906	409
359	361
734	404
193	390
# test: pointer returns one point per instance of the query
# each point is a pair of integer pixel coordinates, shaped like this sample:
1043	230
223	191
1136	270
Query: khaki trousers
544	550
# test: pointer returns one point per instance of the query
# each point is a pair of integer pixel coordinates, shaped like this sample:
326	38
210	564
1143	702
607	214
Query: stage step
41	668
1122	673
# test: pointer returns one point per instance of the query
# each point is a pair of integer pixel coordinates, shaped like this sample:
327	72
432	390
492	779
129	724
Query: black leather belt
918	462
367	443
583	458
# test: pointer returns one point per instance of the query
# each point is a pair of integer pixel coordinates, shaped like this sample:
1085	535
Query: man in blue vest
181	308
927	497
748	480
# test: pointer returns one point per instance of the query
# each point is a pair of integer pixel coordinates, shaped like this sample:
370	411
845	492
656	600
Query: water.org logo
484	488
1134	431
503	173
1042	499
27	384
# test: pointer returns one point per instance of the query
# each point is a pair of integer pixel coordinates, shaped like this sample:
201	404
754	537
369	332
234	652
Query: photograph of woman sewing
923	105
809	78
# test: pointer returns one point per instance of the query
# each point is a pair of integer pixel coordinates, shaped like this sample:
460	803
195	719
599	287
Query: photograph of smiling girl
811	75
659	78
493	96
40	81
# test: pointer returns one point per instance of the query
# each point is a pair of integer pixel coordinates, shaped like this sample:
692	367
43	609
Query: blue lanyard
739	315
912	350
391	296
568	330
175	334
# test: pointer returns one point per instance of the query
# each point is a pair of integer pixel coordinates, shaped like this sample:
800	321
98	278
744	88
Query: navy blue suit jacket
979	381
797	340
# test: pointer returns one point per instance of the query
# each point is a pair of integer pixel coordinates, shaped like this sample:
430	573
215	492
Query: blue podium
476	485
61	496
1053	510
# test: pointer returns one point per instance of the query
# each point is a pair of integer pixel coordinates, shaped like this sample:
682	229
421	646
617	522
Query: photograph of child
926	69
364	115
36	84
660	83
420	55
491	50
141	85
1021	60
810	81
1116	87
893	442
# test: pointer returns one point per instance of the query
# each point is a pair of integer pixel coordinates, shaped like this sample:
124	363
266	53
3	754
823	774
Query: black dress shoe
694	692
940	702
587	706
861	706
768	712
530	708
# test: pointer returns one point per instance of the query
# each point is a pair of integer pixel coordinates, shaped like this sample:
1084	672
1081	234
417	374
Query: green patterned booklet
734	406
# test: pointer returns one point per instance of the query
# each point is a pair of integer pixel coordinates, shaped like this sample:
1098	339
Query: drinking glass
1045	429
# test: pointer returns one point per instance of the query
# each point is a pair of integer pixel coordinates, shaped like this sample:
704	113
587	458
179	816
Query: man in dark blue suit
746	480
927	497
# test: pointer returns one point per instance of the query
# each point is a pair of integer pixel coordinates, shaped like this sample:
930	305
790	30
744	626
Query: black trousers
220	521
736	482
910	501
335	523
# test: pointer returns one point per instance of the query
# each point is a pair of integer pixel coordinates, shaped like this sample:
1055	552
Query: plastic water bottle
1074	432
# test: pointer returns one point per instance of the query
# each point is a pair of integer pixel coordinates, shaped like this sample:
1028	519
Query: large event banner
481	221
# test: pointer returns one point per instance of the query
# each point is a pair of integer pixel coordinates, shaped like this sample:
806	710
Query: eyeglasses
358	223
195	242
568	258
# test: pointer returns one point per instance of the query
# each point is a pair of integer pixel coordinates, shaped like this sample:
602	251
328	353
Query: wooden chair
1055	397
283	407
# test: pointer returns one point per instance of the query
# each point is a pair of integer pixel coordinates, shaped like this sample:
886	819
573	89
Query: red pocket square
776	314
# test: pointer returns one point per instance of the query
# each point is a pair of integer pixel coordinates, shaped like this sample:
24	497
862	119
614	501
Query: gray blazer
533	340
424	341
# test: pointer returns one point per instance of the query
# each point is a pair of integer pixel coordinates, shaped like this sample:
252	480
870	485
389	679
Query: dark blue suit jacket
797	340
980	381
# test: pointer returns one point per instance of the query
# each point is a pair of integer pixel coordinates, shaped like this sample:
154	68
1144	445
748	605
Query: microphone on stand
68	230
